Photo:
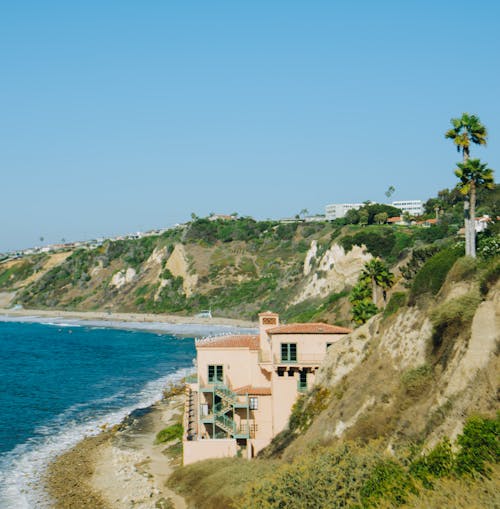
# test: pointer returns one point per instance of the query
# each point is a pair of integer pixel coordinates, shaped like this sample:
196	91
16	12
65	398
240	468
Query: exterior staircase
221	409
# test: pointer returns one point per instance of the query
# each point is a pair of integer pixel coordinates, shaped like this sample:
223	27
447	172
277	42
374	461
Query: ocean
61	381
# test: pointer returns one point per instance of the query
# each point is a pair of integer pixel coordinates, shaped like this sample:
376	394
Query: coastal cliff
403	413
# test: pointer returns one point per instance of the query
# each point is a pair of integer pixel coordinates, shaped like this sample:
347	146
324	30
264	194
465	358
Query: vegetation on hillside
349	475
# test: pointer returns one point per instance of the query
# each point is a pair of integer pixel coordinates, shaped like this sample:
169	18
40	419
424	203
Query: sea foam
23	468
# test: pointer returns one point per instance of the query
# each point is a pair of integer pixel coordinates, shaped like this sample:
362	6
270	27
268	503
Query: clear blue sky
120	116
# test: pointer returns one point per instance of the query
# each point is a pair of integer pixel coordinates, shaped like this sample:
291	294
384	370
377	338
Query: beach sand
120	469
126	317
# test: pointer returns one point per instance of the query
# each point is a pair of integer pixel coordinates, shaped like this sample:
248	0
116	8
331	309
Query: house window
254	403
302	383
288	352
215	373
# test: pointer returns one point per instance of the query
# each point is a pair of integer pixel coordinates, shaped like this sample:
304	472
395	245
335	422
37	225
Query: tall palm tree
466	130
473	174
377	273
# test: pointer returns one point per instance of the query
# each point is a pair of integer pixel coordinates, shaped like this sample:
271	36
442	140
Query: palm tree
363	310
377	273
473	175
466	130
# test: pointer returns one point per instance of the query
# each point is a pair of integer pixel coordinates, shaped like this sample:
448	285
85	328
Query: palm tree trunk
374	291
467	214
472	220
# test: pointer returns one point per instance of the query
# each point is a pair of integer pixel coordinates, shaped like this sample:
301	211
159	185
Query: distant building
482	223
338	210
221	217
413	207
314	219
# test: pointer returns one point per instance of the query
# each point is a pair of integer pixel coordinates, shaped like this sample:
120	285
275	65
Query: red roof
394	219
234	341
254	391
309	328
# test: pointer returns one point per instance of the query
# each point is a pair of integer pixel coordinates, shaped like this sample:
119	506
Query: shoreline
121	467
183	325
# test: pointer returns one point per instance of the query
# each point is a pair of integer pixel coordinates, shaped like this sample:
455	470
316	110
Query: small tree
378	275
363	217
381	217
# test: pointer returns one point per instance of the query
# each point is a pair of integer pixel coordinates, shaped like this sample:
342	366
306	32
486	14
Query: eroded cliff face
332	271
392	378
235	279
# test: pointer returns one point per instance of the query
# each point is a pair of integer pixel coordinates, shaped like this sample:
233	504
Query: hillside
235	268
402	413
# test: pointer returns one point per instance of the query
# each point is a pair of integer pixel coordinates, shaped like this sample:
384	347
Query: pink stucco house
246	385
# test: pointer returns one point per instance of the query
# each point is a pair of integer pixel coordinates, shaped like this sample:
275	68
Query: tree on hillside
466	130
473	175
381	217
363	310
378	275
362	306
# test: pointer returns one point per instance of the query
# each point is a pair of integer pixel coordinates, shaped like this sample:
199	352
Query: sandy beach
132	318
120	469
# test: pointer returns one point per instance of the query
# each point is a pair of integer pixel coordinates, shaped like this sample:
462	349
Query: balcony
303	359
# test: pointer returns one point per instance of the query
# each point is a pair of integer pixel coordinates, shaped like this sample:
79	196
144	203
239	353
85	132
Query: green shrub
379	241
479	444
489	247
173	432
418	257
330	479
463	269
396	302
416	381
307	407
490	277
439	462
453	317
433	273
388	482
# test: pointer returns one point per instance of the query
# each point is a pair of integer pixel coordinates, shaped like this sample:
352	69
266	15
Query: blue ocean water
60	382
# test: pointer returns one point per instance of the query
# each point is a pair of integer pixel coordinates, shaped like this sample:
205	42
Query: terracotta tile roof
234	341
394	219
309	328
253	391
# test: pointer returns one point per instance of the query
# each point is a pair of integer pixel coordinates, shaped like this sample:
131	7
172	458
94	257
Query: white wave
179	329
22	469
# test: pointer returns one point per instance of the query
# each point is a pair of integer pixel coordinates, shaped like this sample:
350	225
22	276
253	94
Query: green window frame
288	352
253	403
215	373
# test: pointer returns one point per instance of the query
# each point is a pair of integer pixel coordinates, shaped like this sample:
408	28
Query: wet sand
120	469
126	317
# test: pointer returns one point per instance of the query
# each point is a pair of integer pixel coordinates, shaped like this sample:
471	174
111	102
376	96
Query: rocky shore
121	468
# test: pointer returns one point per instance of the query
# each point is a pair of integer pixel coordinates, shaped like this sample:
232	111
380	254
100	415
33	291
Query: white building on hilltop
413	207
338	210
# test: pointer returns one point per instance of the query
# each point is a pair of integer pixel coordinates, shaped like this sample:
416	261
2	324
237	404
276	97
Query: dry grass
460	494
215	484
